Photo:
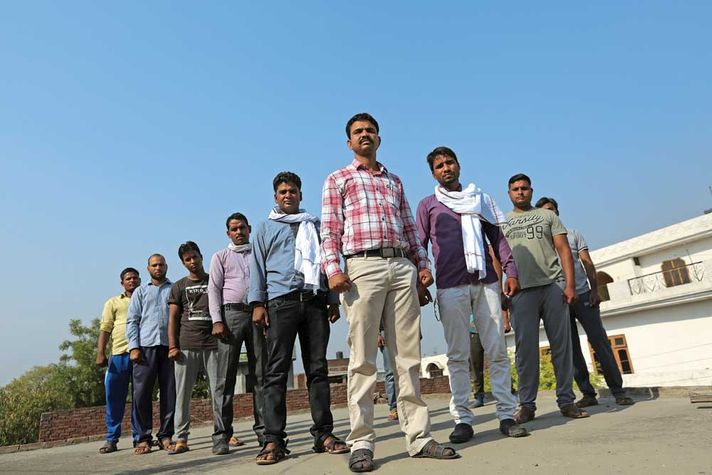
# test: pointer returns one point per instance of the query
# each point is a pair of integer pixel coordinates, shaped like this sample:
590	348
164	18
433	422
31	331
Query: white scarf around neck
472	205
239	247
307	256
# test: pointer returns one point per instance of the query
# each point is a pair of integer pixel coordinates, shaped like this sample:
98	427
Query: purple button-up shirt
229	278
440	225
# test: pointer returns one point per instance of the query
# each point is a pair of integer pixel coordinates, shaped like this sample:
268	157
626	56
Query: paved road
664	435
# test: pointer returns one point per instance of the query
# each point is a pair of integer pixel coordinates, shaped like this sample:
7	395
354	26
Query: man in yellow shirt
118	374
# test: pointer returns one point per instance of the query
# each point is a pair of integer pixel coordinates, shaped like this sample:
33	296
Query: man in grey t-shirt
537	239
585	309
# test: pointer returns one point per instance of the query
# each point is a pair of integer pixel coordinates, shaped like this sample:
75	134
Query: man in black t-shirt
193	346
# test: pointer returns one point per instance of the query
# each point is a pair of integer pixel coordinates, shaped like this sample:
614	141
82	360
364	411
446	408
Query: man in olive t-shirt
193	346
537	239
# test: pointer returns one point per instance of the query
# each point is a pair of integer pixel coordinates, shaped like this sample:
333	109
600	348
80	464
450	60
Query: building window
603	280
620	353
675	272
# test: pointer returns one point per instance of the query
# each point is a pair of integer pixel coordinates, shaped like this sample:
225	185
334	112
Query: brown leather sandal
321	445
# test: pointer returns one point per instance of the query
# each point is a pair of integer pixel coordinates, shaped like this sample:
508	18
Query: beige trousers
384	289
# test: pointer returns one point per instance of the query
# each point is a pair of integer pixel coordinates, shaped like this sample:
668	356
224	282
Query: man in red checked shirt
367	219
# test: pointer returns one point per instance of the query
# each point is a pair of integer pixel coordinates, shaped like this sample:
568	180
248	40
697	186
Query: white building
657	311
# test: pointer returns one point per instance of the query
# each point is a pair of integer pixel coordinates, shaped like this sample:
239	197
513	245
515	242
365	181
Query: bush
547	378
42	389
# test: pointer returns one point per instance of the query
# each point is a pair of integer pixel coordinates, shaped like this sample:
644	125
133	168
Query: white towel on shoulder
472	205
307	256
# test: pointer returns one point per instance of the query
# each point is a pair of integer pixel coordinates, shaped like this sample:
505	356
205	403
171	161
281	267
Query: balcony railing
682	275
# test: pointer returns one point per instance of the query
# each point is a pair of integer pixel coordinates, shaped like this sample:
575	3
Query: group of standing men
289	281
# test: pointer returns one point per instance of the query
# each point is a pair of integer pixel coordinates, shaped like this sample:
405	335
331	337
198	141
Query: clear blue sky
128	128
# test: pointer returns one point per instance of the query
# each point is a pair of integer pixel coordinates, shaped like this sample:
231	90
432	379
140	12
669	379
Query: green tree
79	362
22	402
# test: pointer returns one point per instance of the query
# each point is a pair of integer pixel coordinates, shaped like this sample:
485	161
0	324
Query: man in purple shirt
459	223
227	293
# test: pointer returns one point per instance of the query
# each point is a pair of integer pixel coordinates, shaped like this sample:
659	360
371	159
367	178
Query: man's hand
340	283
260	317
511	286
219	330
174	353
135	355
507	323
334	312
570	295
424	297
425	277
380	341
594	299
101	359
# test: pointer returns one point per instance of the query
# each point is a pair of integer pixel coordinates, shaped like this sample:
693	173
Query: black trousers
241	330
477	362
590	319
154	365
308	320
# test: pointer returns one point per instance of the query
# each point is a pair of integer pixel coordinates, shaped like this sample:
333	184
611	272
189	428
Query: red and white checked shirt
361	210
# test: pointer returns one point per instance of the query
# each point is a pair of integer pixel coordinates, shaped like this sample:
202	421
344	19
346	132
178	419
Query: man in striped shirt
367	219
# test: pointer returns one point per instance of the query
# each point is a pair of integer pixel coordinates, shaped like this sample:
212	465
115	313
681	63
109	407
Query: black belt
385	252
240	307
298	296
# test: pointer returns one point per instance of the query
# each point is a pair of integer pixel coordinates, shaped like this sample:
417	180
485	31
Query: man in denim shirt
288	294
147	333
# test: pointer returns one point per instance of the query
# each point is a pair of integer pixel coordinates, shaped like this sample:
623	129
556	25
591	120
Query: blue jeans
388	379
116	384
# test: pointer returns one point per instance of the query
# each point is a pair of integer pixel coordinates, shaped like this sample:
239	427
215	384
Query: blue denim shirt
272	272
147	318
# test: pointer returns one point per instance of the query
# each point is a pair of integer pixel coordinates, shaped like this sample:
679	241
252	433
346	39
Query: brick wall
89	421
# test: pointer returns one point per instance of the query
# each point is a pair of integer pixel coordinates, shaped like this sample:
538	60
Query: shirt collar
360	166
167	281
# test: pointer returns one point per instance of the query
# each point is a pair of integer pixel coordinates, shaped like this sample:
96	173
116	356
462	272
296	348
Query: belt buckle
305	296
388	252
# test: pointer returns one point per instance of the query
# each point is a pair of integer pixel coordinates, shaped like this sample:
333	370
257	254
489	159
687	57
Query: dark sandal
573	411
108	447
433	450
279	452
330	448
361	460
166	443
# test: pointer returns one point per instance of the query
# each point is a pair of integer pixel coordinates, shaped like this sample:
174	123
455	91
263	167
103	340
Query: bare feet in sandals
271	453
331	445
142	448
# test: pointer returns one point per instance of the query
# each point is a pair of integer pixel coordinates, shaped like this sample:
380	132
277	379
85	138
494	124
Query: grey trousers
545	302
242	330
186	372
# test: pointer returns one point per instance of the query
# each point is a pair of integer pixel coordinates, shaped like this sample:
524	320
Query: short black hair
441	152
128	270
186	247
546	200
287	177
360	116
519	177
235	216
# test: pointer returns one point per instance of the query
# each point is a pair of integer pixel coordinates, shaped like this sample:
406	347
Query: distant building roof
680	233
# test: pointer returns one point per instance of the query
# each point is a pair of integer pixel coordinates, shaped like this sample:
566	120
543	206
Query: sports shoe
587	400
393	415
